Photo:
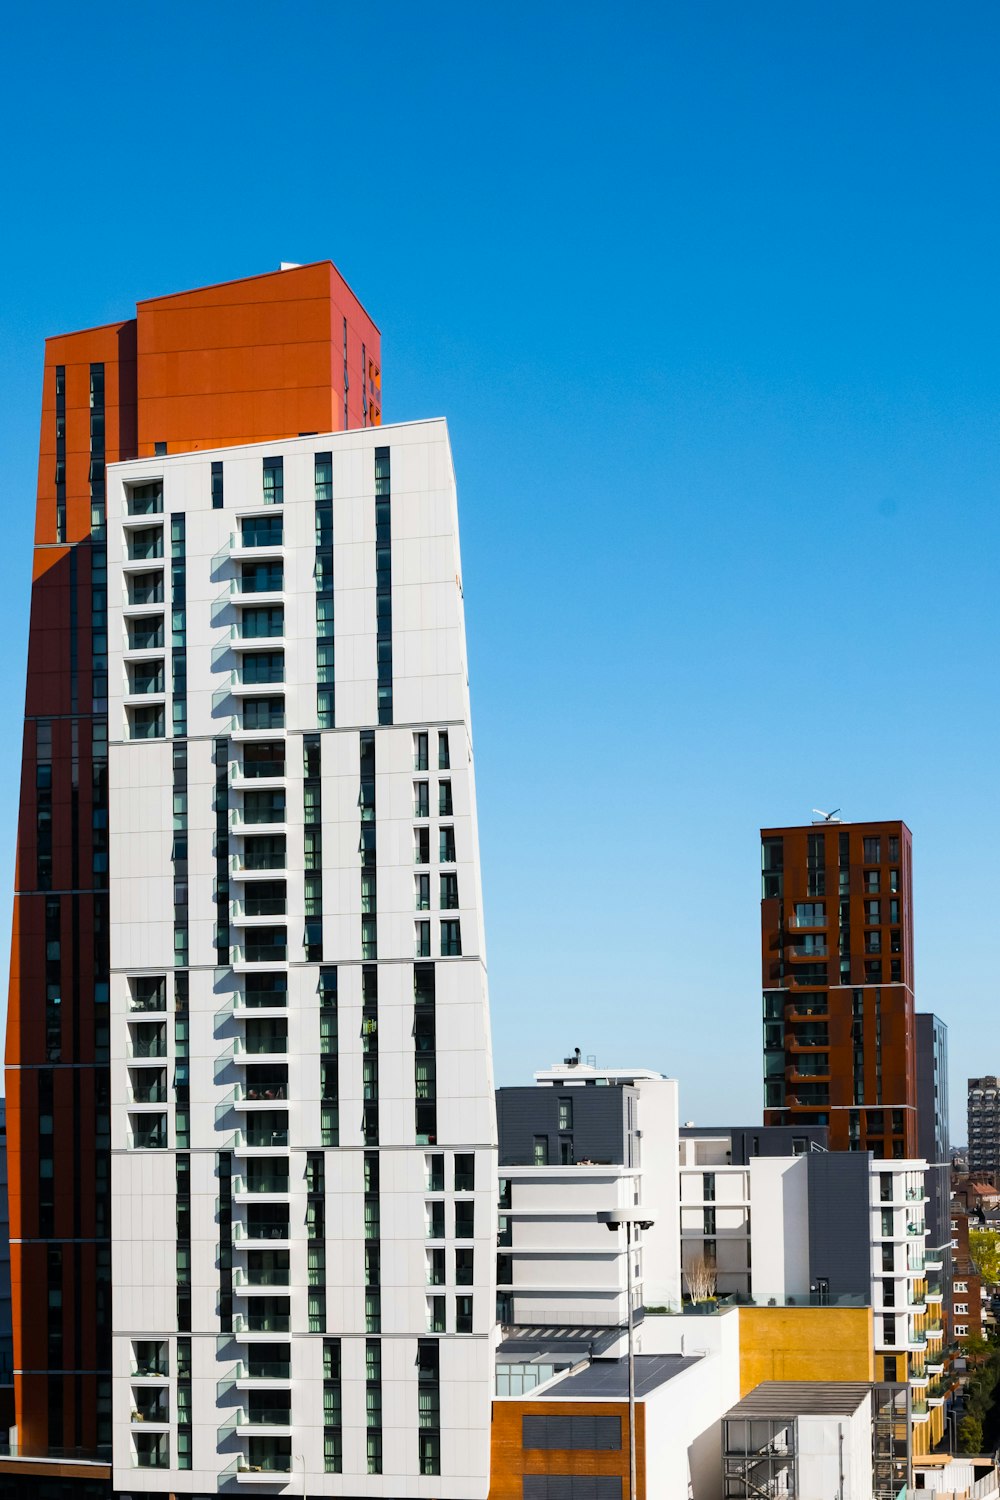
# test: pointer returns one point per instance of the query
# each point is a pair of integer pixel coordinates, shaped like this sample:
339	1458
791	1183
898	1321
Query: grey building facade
933	1137
984	1124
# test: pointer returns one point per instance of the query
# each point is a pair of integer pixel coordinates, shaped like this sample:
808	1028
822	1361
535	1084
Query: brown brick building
837	972
965	1306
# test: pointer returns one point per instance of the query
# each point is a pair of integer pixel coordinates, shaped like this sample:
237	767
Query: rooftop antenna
827	817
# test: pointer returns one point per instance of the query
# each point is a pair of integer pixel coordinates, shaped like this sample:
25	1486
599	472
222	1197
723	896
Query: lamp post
629	1219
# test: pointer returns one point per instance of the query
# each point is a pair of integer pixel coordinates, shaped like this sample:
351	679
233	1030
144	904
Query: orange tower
272	356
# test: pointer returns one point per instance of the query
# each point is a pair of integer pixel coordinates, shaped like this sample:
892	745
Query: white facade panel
303	1124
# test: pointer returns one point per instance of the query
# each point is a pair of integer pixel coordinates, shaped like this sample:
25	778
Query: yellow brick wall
805	1343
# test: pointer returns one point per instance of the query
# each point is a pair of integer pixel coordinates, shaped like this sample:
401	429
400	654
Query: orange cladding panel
510	1460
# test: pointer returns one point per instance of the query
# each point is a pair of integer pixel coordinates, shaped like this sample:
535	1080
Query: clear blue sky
708	293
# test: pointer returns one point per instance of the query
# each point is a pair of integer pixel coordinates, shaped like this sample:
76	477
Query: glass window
273	475
463	1314
451	939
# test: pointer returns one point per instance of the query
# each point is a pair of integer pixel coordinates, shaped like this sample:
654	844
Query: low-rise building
584	1141
965	1306
792	1439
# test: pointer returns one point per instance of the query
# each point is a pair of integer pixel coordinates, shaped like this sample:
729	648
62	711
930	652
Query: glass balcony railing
262	1229
265	1369
268	1416
264	906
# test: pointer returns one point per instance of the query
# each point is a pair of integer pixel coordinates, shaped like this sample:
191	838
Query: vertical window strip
60	453
184	1403
425	1054
373	1404
97	452
224	1166
329	1064
183	1180
53	980
325	702
178	623
43	804
222	934
46	1153
182	1084
368	848
273	480
347	379
316	1248
373	1244
333	1456
383	583
180	853
428	1406
369	1054
98	633
217	484
313	822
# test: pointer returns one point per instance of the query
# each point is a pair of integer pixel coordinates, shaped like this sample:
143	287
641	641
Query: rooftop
802	1398
607	1379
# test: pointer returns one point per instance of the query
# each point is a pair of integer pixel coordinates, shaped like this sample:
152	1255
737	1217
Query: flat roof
607	1379
802	1398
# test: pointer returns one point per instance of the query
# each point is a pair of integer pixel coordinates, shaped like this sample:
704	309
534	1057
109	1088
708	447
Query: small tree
974	1347
701	1277
970	1435
984	1247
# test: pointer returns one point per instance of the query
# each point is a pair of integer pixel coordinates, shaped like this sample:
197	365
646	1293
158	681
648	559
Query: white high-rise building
303	1126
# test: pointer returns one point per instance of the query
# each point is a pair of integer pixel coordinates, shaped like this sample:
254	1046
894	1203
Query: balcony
258	818
256	907
256	859
261	1138
265	1004
259	1093
277	1372
261	641
148	1042
261	1233
262	1185
261	1281
257	774
261	1321
796	1041
260	1049
245	958
273	1418
150	1405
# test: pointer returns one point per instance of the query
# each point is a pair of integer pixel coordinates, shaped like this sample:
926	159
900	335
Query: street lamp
629	1219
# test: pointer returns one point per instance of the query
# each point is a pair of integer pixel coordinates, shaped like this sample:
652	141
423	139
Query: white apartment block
722	1205
581	1142
303	1124
906	1299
